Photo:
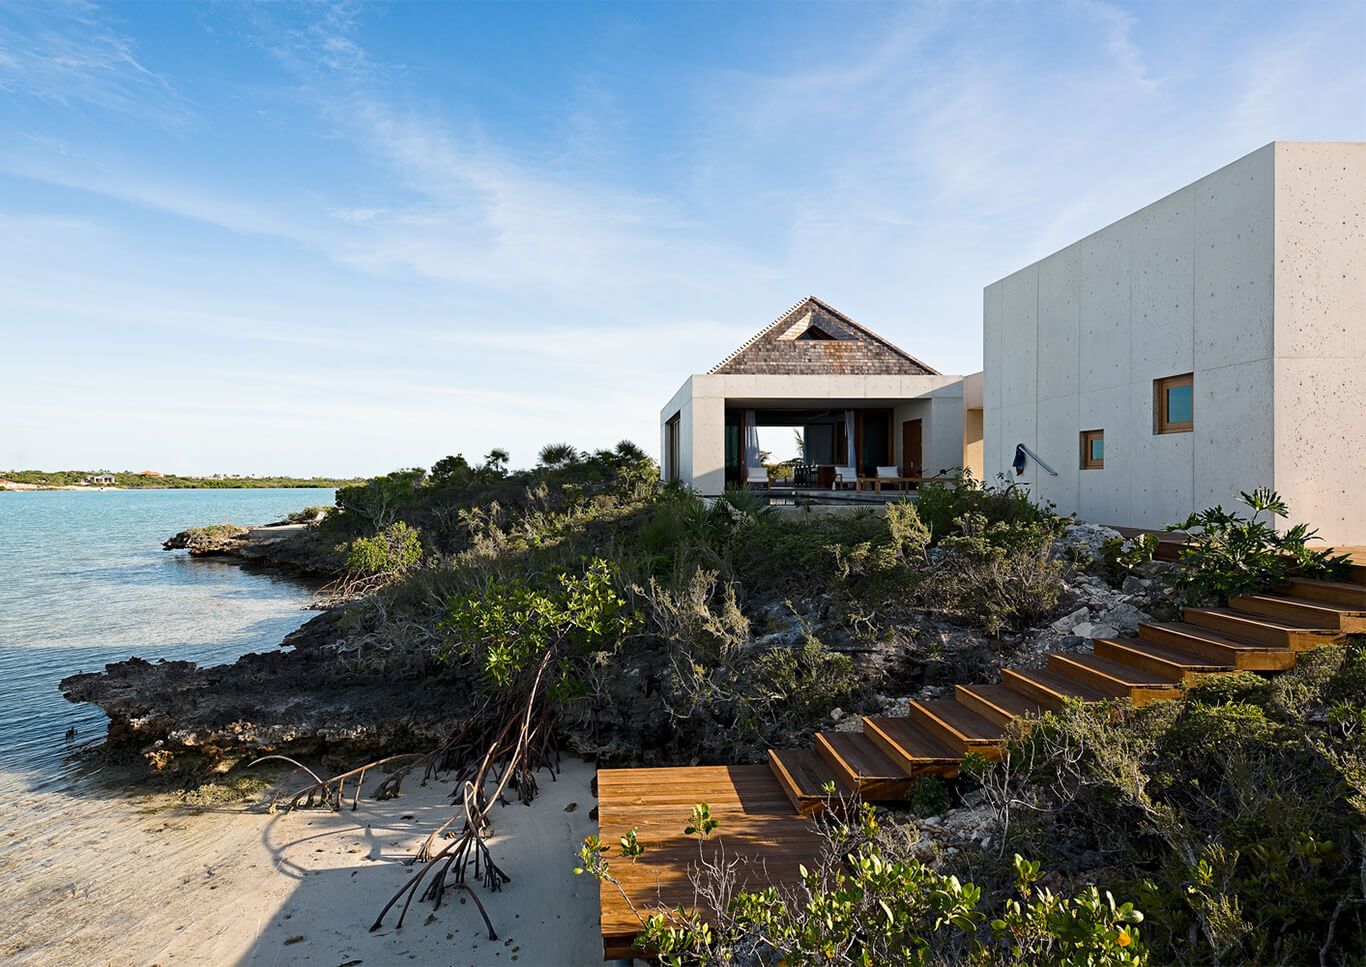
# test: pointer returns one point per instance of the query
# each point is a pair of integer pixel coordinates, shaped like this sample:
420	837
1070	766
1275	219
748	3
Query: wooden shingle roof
813	338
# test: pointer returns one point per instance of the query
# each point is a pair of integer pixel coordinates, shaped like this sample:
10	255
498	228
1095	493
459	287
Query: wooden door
912	463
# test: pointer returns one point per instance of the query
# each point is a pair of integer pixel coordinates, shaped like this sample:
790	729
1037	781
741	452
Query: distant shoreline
10	485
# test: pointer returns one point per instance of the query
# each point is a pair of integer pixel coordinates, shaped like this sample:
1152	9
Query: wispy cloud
404	266
70	53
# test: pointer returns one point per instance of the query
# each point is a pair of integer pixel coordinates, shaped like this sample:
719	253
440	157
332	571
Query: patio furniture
888	475
757	475
843	476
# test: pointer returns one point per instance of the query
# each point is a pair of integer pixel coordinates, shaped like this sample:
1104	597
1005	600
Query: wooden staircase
1258	632
883	761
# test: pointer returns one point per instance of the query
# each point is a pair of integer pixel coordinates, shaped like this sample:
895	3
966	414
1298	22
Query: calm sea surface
83	582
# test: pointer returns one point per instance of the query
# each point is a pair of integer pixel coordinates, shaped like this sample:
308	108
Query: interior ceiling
812	406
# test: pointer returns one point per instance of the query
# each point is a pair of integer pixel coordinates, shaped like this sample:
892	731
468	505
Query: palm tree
629	451
558	455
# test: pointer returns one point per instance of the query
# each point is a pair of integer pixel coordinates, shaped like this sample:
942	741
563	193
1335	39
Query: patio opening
808	445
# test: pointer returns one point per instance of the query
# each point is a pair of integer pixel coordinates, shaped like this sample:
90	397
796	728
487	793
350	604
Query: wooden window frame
1161	423
1086	462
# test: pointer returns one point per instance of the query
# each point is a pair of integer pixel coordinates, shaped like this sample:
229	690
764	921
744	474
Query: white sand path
139	880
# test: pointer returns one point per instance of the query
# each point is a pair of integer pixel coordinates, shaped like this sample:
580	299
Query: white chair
845	475
889	475
757	475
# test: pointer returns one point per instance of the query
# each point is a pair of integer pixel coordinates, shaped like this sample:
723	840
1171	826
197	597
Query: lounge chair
845	475
757	475
891	475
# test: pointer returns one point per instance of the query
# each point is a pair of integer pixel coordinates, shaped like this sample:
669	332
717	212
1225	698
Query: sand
126	879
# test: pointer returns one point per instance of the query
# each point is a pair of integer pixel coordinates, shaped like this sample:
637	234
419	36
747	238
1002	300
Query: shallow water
84	582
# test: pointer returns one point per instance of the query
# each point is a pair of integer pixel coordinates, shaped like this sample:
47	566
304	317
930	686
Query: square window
1174	404
1092	449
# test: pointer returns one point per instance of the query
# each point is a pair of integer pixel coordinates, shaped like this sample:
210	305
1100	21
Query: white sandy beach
142	880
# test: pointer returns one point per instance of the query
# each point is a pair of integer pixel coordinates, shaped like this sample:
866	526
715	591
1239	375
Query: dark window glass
1180	404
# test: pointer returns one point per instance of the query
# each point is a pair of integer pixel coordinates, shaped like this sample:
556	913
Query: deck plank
757	824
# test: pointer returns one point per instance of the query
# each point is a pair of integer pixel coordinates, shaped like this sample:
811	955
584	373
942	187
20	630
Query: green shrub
942	505
865	904
806	681
929	796
508	626
1227	555
1237	815
997	576
1119	557
308	515
910	534
378	502
216	532
397	549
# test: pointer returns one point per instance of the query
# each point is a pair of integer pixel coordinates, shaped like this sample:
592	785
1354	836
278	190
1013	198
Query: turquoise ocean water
84	582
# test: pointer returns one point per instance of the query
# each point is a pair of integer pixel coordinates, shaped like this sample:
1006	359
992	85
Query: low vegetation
215	532
647	625
1236	817
1227	554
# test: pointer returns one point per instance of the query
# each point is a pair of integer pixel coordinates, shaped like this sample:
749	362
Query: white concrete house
857	399
1212	342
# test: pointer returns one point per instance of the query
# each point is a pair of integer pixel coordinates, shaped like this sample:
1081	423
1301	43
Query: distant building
857	400
149	473
100	479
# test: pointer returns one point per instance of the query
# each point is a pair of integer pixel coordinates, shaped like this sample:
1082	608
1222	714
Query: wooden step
802	773
1280	632
910	746
1114	678
1333	592
1048	687
958	727
1318	614
997	703
860	764
1172	664
1238	652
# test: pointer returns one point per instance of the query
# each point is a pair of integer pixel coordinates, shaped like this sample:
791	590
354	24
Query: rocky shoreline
302	700
315	695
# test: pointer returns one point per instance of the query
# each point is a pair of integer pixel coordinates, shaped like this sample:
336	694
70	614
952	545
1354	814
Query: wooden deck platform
757	823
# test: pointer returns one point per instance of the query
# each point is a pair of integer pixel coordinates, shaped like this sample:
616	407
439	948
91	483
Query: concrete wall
1254	279
703	399
972	424
1320	336
1074	342
680	406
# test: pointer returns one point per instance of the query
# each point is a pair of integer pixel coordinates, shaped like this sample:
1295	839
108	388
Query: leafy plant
1236	816
998	576
508	626
929	796
1227	554
1119	557
942	505
869	908
395	550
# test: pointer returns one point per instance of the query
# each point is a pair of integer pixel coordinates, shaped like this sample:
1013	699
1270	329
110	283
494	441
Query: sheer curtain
849	434
751	441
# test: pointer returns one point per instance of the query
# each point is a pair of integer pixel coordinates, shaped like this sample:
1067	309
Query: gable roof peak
788	326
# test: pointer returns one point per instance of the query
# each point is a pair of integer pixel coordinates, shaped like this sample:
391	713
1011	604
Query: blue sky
343	238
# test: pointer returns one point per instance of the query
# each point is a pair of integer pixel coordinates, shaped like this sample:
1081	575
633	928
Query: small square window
1092	449
1174	404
